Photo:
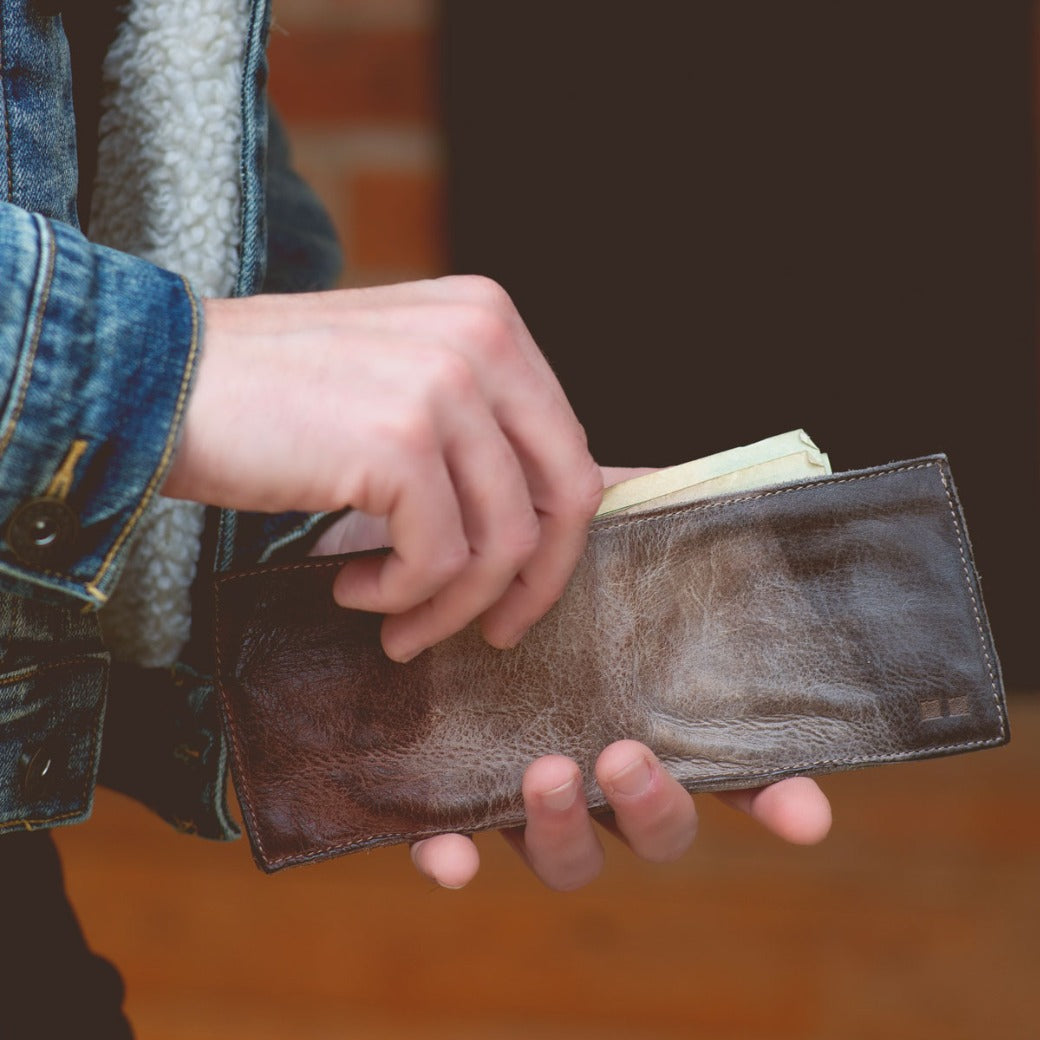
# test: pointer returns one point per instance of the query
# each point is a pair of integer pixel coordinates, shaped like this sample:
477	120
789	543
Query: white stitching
974	601
735	782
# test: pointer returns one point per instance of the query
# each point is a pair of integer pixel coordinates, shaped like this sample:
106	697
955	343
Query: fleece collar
167	190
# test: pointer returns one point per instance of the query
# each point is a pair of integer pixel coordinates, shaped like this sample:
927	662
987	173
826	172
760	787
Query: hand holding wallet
803	628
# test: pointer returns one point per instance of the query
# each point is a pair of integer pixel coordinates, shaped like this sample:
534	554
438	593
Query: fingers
559	841
451	559
540	583
566	488
502	533
431	551
560	478
450	860
653	815
493	485
652	812
794	809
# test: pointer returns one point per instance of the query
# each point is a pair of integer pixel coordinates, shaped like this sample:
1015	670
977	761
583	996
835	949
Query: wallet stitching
754	778
784	771
994	685
318	563
620	522
243	785
635	521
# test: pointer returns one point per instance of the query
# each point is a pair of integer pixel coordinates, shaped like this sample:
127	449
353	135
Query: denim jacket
97	353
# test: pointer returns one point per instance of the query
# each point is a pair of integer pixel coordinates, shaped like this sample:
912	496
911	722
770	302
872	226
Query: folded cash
775	460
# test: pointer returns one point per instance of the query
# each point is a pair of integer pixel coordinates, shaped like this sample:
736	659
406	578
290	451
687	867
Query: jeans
51	985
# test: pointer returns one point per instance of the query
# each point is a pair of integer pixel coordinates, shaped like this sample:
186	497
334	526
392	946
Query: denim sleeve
97	354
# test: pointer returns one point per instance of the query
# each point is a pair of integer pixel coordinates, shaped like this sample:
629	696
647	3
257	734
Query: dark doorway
723	220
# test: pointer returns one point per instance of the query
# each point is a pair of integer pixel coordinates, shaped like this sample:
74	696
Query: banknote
775	460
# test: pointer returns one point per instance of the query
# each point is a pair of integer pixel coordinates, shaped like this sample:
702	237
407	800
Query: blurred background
721	220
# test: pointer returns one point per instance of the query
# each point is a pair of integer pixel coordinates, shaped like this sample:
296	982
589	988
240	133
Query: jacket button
39	772
42	531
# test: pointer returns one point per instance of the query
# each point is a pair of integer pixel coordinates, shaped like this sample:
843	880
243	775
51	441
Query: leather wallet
804	628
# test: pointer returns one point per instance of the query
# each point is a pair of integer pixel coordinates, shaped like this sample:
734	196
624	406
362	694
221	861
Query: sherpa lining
167	190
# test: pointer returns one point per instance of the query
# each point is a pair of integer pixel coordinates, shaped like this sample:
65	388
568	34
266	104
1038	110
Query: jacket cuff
97	354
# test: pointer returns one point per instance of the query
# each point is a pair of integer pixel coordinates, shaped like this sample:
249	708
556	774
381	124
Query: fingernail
514	640
561	798
415	853
403	656
633	780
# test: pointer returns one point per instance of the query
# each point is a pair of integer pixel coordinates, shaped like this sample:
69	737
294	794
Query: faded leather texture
800	629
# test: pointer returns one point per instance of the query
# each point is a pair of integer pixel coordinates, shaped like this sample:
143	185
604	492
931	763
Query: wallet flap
800	629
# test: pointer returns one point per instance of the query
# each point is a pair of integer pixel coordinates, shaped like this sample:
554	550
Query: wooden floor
918	918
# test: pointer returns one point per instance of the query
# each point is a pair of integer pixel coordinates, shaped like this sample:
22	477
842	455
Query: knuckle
482	290
527	536
483	329
583	495
451	373
349	490
449	561
409	432
520	542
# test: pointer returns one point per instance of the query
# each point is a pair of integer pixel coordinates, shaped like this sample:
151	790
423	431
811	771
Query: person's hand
427	404
652	815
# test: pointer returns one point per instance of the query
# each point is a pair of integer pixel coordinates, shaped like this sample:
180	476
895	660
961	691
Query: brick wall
355	82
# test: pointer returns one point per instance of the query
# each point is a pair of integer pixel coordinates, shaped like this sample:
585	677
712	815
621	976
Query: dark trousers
51	985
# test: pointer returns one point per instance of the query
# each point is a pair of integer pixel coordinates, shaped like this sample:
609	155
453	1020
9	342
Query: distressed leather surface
801	629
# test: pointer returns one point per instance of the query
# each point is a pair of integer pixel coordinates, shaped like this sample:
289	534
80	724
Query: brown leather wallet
800	629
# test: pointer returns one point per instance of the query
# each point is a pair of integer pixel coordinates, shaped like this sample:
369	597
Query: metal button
42	531
39	772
